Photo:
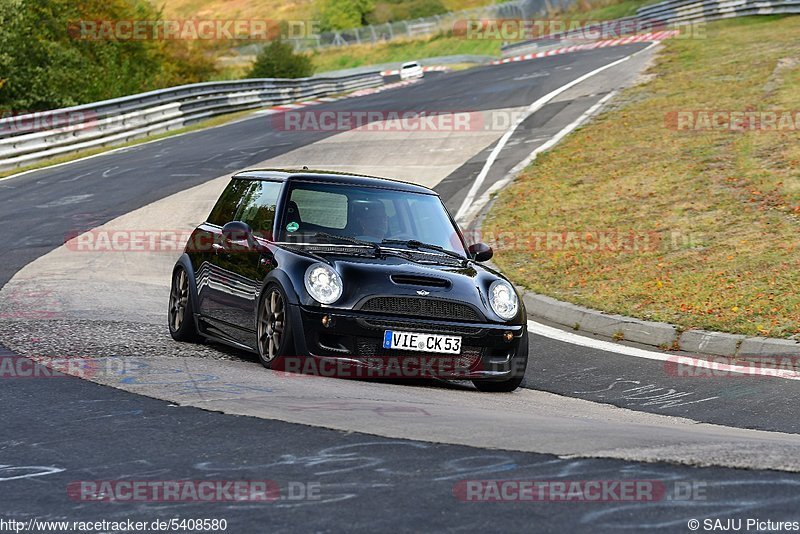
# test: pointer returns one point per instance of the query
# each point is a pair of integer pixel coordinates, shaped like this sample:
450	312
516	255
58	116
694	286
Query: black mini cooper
349	269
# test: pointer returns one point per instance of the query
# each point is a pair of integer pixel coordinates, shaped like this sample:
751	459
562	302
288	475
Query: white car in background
411	69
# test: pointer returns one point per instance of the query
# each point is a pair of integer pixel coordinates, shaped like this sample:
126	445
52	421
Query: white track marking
533	108
717	367
478	204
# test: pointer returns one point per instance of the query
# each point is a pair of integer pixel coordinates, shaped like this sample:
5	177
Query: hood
366	277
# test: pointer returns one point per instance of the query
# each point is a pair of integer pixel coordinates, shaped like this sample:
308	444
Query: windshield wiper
413	243
374	246
298	247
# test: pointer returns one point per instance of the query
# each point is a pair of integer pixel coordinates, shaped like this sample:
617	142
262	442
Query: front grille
369	348
425	327
441	309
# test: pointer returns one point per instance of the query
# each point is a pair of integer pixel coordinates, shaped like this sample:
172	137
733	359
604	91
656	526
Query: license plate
421	342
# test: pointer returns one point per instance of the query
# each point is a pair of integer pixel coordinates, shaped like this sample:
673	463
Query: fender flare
186	262
280	277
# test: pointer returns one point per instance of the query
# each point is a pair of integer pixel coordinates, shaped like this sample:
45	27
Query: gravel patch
75	338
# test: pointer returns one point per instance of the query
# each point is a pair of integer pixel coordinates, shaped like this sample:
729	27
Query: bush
45	64
279	60
343	14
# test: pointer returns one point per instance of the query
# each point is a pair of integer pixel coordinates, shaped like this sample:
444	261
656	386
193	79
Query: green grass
448	44
608	9
267	9
722	208
405	50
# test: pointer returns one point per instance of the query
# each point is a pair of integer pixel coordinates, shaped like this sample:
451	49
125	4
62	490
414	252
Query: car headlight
323	283
503	299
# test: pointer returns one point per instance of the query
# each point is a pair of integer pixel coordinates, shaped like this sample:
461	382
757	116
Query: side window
258	206
250	201
224	210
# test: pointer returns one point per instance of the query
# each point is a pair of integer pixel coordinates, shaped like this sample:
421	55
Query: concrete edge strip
675	364
655	334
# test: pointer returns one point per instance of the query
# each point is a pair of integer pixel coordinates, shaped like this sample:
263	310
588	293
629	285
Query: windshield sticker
292	227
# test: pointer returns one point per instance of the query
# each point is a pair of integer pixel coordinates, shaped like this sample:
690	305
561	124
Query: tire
182	326
519	364
273	326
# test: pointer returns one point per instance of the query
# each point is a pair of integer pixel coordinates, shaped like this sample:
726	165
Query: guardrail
24	140
670	14
688	11
428	26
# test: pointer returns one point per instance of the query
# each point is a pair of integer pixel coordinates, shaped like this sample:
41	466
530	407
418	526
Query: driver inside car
371	220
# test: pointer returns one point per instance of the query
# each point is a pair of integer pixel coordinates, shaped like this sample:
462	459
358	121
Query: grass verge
401	50
717	213
447	44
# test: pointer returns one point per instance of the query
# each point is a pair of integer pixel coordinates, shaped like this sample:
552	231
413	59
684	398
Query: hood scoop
417	280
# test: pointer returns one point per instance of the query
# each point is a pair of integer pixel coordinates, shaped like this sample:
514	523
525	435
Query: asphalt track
87	431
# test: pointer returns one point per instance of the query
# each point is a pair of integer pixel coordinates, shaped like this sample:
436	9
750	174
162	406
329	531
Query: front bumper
356	339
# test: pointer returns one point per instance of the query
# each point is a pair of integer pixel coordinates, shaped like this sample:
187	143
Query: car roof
410	64
332	177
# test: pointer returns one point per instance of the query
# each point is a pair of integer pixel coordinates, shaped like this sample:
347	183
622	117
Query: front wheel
181	312
273	326
518	365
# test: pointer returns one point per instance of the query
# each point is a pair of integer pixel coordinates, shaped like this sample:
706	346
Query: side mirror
237	231
480	252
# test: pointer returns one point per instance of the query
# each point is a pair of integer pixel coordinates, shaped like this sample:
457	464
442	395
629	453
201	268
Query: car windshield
365	214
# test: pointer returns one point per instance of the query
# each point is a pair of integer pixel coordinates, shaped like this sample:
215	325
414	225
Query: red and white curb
434	68
325	100
645	37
